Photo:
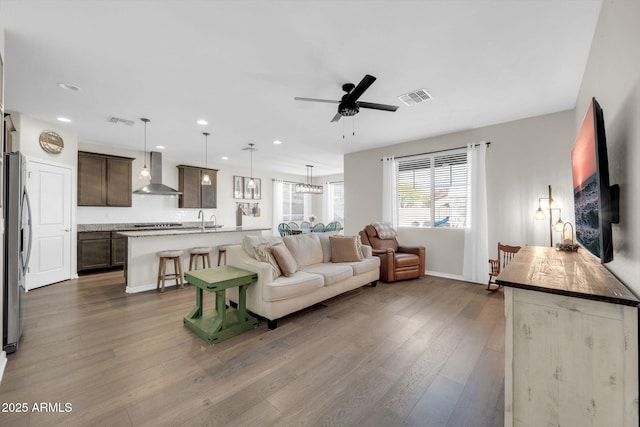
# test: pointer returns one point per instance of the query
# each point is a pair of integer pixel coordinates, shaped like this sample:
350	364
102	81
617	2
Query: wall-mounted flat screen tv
596	202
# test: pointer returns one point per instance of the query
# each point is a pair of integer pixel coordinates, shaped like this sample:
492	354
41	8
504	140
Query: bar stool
203	253
177	268
222	250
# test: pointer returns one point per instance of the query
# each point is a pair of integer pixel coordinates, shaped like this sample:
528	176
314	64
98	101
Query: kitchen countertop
135	226
182	231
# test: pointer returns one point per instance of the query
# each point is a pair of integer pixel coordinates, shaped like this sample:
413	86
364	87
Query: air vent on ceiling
415	97
116	120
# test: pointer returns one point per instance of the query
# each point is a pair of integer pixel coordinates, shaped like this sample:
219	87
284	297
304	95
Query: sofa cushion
331	273
263	253
345	249
283	288
326	246
249	242
286	262
305	248
364	265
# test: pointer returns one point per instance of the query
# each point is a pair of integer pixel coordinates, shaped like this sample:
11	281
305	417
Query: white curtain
389	191
327	203
277	206
476	252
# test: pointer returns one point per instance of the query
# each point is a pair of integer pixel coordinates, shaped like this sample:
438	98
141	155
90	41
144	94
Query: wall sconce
552	206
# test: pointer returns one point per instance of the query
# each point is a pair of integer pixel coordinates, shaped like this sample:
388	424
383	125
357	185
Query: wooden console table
571	342
222	322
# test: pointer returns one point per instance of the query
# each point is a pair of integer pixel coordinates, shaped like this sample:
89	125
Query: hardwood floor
426	352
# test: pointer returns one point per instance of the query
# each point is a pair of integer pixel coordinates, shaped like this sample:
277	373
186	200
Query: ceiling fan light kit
349	105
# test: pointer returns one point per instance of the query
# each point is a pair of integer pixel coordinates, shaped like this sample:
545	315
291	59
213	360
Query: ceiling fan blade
374	106
364	84
316	100
336	118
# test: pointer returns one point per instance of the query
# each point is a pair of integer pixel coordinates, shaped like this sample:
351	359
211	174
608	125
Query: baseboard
3	363
445	275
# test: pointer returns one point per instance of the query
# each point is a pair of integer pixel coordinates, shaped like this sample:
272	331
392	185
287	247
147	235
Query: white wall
26	140
612	76
525	156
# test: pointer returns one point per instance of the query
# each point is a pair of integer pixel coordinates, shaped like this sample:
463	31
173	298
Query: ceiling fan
349	105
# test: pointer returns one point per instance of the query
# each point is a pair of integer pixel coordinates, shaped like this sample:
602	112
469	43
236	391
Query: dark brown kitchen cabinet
194	194
103	180
94	250
99	250
118	250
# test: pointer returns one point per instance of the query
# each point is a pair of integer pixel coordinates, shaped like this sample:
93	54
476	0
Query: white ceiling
239	64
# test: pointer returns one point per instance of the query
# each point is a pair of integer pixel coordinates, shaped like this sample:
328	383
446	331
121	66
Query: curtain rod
434	152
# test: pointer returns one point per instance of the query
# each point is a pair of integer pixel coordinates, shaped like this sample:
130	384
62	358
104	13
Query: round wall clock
51	142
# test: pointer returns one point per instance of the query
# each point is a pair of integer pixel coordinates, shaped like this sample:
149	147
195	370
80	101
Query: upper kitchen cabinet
194	194
104	180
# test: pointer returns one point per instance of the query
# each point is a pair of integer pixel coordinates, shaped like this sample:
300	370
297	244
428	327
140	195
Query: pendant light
144	173
252	183
206	180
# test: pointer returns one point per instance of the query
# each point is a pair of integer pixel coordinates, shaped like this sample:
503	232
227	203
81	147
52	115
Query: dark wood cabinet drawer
94	235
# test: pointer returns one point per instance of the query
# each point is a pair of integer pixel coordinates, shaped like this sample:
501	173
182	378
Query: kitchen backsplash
153	208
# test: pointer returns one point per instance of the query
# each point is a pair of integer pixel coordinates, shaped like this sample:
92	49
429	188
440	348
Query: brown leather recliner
397	262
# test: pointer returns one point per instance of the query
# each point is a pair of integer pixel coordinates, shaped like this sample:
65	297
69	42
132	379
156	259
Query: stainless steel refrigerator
17	247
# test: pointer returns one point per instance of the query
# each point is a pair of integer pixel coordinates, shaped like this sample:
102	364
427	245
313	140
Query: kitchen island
141	265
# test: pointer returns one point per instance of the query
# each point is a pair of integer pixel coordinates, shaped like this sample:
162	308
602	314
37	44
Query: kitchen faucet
201	218
215	220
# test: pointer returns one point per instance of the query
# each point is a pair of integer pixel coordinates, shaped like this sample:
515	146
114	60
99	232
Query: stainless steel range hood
156	186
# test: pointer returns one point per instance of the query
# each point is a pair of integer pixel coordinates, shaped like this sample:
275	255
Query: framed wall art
241	188
238	187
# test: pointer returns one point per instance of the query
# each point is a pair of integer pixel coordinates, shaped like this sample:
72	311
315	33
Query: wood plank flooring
427	352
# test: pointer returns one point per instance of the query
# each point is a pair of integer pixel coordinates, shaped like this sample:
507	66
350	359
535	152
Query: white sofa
314	281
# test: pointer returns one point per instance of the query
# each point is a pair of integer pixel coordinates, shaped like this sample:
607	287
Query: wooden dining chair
305	225
294	225
318	228
505	255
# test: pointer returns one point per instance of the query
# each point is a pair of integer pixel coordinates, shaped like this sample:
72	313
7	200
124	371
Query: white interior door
49	188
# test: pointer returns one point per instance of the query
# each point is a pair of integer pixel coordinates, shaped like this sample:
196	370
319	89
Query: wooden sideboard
571	342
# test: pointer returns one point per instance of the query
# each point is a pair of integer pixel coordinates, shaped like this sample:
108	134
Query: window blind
433	189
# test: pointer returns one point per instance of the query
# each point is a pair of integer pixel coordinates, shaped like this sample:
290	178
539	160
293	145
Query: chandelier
309	187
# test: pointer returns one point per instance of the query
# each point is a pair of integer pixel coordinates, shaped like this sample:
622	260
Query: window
292	203
336	193
432	190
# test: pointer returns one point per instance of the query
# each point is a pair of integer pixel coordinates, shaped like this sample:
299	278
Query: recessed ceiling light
160	147
202	122
225	158
69	86
277	142
64	120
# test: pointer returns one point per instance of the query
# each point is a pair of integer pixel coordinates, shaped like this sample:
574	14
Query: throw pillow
263	253
344	249
305	248
285	260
